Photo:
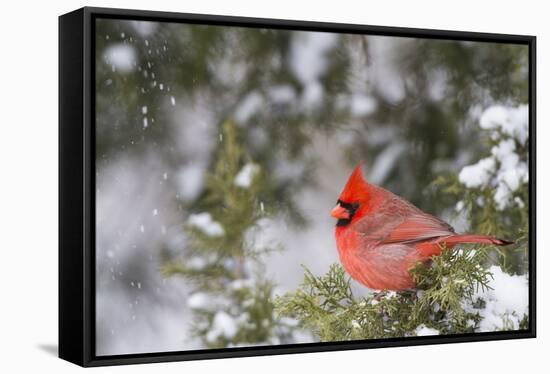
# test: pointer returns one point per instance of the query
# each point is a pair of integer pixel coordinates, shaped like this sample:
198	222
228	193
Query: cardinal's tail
484	239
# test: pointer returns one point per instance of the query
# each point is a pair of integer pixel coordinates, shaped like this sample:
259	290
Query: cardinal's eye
352	208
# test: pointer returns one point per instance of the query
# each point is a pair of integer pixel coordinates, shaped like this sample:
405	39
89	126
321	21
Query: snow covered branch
456	295
231	300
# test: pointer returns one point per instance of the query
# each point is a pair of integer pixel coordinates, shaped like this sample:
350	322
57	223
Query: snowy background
310	106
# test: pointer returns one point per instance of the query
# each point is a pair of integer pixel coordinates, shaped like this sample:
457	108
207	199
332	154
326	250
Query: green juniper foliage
486	218
231	302
326	304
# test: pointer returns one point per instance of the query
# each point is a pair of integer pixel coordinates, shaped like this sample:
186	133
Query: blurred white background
29	191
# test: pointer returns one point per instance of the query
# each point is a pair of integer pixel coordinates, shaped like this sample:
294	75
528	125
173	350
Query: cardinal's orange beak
339	212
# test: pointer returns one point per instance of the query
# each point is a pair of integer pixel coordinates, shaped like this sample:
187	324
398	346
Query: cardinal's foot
379	295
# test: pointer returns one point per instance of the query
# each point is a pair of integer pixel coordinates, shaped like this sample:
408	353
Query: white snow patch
240	284
519	202
308	54
246	175
145	28
312	94
282	94
478	174
248	107
437	84
513	121
506	303
504	171
504	152
391	295
362	105
199	300
205	223
423	330
308	61
292	322
511	174
223	325
302	336
196	263
190	180
121	57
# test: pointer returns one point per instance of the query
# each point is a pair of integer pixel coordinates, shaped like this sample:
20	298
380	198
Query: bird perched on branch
381	236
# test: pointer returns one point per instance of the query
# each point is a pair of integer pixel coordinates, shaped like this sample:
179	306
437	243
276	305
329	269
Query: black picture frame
77	181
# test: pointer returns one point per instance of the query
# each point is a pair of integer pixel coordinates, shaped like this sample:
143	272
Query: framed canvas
236	186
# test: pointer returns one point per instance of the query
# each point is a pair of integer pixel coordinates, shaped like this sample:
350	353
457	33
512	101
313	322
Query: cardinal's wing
398	221
417	228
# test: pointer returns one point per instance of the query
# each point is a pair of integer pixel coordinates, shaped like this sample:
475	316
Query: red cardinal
380	236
